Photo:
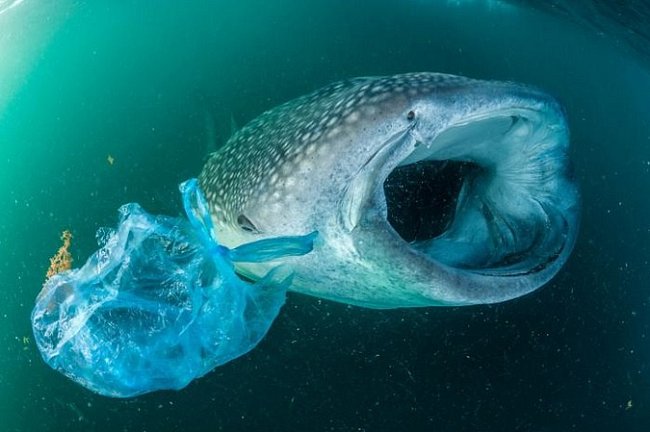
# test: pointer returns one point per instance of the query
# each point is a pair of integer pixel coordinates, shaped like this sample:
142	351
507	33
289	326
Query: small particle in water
110	159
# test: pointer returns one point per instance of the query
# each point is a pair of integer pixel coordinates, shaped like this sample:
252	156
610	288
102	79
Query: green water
155	85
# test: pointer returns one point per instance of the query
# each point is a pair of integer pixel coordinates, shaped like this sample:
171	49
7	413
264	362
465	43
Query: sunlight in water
5	5
25	31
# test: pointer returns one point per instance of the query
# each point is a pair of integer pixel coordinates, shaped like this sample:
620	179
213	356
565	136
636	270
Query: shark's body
320	162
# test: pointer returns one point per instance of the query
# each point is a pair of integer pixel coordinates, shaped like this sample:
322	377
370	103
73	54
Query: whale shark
426	189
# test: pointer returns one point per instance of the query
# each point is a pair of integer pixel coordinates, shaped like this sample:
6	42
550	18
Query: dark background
145	82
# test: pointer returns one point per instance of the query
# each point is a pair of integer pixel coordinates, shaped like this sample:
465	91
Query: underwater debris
62	260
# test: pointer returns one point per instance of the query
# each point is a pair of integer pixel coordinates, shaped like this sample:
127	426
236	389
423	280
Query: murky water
103	103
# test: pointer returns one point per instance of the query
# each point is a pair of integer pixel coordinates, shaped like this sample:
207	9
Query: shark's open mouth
490	195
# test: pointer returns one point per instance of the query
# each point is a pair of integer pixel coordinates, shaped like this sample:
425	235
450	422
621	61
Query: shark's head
426	189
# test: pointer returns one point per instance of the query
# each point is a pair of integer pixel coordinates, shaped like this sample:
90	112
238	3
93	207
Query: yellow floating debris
62	260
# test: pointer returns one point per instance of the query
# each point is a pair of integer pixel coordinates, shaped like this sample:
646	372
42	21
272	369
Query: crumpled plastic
159	304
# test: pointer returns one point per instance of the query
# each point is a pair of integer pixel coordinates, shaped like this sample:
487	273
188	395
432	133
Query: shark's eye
246	224
410	115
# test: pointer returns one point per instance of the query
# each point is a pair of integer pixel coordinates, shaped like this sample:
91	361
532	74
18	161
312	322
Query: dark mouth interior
421	198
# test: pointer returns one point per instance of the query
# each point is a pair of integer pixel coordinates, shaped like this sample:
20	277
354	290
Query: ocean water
154	87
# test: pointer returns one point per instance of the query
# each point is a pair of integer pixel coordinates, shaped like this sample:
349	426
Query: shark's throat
421	197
